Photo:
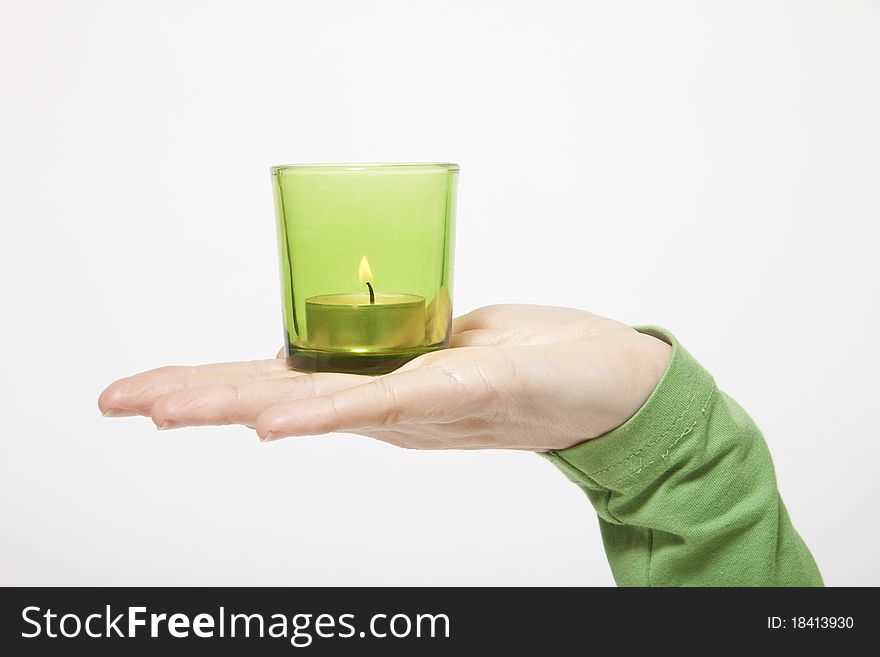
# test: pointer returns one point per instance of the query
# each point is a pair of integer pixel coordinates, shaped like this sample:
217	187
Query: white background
710	167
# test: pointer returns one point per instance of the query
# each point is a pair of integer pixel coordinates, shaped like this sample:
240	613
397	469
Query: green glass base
308	360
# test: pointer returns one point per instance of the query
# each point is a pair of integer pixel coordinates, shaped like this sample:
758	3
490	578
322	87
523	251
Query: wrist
655	355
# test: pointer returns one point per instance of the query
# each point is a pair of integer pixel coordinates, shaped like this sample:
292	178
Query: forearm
686	493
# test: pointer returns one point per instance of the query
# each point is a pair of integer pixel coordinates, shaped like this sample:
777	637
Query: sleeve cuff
640	449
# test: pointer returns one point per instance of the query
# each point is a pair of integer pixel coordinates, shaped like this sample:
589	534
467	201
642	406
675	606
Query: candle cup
366	263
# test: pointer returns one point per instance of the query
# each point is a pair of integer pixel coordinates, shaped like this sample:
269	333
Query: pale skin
533	378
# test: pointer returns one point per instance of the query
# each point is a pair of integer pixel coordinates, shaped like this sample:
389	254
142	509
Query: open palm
517	377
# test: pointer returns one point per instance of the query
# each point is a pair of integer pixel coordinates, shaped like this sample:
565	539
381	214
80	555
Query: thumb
423	394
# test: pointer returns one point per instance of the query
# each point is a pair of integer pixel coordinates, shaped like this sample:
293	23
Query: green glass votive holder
366	263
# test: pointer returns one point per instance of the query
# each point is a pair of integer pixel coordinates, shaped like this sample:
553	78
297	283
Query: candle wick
372	294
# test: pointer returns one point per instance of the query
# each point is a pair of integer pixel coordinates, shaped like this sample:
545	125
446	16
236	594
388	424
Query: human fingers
420	394
241	402
135	395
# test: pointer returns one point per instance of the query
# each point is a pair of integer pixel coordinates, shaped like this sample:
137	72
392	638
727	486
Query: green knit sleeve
686	493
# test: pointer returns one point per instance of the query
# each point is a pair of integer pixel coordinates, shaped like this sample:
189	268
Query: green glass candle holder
366	263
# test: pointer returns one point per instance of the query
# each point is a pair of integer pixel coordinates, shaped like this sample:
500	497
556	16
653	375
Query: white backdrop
710	167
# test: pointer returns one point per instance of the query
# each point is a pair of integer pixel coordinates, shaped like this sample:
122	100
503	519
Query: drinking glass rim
345	167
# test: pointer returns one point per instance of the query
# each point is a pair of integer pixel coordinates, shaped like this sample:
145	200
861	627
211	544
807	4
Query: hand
518	377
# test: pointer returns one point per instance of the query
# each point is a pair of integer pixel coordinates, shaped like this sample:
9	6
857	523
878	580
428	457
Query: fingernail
268	437
169	424
118	412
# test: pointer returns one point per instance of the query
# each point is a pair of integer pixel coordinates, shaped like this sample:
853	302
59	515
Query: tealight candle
358	323
365	322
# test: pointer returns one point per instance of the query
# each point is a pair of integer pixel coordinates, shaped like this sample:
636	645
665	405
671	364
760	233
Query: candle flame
365	274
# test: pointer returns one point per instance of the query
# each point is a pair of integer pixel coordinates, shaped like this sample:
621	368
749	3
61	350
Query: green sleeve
686	493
